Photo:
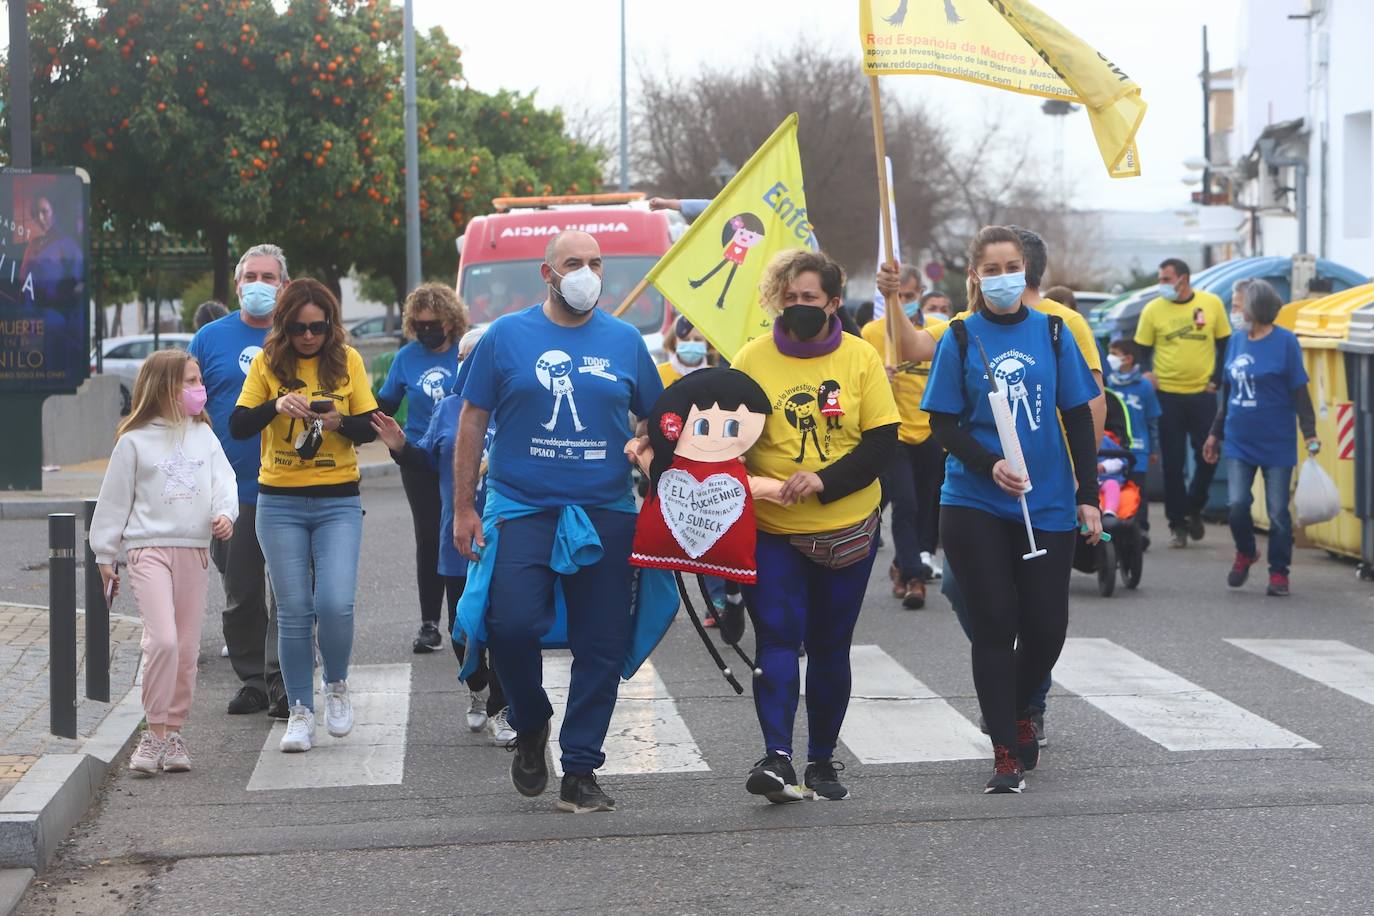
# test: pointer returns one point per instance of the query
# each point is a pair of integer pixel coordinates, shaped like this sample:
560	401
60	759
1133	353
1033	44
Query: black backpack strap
1056	332
956	327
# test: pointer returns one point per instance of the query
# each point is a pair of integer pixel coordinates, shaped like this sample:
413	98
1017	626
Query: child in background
1111	475
168	489
1126	378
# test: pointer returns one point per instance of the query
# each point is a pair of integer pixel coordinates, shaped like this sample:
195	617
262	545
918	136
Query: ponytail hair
988	235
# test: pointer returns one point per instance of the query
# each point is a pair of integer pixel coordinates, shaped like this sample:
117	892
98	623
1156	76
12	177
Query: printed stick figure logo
741	233
800	411
1243	380
899	14
554	371
434	383
1011	373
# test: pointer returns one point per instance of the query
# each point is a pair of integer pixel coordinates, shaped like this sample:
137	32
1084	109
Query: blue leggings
798	600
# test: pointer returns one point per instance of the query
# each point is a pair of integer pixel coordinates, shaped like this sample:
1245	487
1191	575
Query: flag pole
629	300
884	209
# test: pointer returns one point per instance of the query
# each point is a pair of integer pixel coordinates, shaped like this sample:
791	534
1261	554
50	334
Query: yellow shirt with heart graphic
821	408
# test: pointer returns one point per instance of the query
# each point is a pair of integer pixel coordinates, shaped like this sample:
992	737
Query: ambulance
499	255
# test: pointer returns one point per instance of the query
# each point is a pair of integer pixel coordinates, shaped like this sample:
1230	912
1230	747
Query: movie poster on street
44	266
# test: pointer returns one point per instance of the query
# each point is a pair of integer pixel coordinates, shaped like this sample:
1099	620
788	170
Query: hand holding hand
389	431
799	486
766	488
222	528
1011	482
640	453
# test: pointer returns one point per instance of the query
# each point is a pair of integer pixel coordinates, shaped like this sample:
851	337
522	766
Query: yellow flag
1007	44
712	273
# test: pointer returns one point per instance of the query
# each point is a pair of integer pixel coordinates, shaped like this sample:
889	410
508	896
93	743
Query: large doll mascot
699	513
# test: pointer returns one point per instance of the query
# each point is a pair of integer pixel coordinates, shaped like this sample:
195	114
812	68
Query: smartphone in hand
321	406
110	588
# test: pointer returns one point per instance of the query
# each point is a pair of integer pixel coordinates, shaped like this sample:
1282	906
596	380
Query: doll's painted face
716	434
747	238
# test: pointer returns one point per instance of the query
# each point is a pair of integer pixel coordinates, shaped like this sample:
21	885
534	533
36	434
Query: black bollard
62	624
97	623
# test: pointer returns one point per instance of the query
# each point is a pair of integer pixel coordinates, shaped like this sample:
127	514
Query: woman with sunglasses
422	375
307	393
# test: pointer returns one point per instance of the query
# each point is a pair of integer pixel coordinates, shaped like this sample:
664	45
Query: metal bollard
62	624
97	623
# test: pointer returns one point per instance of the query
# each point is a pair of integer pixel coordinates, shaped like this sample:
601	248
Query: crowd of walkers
243	452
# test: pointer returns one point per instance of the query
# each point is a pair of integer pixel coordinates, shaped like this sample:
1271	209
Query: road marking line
1327	661
647	733
1164	707
373	754
894	718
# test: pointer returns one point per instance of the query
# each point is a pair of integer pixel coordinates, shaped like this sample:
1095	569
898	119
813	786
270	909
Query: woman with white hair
1264	401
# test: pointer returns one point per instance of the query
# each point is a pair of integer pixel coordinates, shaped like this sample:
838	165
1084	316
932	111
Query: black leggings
1018	609
485	675
422	492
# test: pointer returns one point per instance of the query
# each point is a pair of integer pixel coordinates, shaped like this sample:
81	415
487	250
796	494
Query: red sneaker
1240	570
1007	775
1278	585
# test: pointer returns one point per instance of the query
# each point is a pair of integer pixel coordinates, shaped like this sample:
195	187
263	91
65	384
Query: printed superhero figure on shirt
741	233
554	371
800	410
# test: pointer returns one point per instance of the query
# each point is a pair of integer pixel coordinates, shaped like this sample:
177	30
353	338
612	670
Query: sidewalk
65	489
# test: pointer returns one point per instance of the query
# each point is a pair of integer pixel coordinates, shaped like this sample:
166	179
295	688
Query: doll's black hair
728	389
746	221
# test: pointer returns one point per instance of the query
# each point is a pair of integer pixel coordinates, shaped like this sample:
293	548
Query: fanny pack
840	548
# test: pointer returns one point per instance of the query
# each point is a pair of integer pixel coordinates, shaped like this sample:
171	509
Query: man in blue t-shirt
559	381
225	348
1127	379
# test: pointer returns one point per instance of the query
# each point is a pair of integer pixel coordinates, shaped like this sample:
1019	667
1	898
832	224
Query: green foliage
192	295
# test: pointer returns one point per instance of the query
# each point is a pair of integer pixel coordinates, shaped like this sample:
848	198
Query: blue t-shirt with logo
1038	382
560	399
225	349
1142	409
1261	421
424	378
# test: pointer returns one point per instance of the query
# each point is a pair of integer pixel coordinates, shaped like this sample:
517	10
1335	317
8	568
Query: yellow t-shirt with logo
667	374
1184	335
337	460
908	385
1078	326
821	408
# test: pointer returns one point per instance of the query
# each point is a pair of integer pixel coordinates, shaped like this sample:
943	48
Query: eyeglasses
298	328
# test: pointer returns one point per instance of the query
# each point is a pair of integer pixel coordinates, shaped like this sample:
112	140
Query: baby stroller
1125	552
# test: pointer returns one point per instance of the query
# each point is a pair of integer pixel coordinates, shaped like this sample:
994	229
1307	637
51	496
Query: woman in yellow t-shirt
832	431
308	394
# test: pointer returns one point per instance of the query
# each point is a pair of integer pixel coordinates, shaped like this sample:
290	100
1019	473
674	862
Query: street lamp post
624	110
412	157
21	141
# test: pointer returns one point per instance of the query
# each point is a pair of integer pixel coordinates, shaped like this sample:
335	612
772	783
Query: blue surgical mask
258	299
913	310
691	352
1004	290
1167	291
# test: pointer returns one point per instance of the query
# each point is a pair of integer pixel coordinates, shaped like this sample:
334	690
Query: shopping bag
1316	499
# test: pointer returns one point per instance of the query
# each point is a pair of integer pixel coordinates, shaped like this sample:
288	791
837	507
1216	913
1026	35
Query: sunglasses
298	328
424	327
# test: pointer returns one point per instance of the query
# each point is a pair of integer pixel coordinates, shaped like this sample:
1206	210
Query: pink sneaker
147	757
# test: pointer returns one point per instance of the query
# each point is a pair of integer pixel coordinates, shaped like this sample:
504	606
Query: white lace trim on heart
696	564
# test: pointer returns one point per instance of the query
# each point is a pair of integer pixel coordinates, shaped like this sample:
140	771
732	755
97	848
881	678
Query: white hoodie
164	485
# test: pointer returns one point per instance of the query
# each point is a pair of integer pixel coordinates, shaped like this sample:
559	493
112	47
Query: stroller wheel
1106	568
1132	563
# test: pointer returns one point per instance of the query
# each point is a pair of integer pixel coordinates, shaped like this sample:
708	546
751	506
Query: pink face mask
193	399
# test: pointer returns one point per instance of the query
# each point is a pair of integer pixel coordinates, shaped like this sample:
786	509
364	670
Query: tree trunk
398	282
218	239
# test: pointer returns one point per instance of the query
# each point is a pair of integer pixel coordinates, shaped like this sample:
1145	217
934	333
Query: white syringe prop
1011	447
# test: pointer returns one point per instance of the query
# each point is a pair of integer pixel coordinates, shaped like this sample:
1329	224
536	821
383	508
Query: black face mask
804	321
431	335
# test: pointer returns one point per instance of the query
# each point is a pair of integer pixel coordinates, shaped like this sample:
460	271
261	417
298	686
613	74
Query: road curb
13	883
56	792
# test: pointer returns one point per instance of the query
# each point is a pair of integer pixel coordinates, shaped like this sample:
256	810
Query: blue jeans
949	587
1240	477
311	545
521	610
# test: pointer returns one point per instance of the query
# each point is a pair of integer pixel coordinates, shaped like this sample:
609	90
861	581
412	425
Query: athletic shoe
774	778
300	731
899	584
529	770
732	620
338	709
1278	586
1178	537
823	780
499	726
1196	529
1038	720
477	710
427	640
249	699
147	757
276	695
223	651
1240	570
915	595
928	561
176	759
1027	743
1007	773
579	794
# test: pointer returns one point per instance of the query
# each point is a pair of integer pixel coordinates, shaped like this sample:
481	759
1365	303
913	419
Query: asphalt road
1113	820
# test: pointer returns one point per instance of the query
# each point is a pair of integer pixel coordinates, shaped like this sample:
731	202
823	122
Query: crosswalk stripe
1327	661
647	733
894	718
1164	707
373	754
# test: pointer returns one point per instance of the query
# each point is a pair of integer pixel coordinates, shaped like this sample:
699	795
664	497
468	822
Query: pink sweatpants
169	585
1111	495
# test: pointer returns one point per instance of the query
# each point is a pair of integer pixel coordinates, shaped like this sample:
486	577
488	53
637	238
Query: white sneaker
300	730
223	651
338	709
176	759
928	558
501	732
147	757
477	710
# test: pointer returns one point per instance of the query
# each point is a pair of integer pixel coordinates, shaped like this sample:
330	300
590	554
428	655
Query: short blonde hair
443	302
786	266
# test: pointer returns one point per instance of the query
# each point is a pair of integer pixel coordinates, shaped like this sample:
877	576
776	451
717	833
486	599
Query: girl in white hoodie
167	491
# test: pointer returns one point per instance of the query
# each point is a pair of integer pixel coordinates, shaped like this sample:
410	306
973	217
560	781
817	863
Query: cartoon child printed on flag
742	232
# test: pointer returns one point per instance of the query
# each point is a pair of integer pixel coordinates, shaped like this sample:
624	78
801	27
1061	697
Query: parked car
124	356
375	329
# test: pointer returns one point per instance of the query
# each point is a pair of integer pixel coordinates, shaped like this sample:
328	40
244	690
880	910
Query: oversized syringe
1011	444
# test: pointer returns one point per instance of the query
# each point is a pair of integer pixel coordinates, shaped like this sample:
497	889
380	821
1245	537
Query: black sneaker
1007	773
248	700
732	620
774	778
823	780
276	696
1196	529
427	640
1027	743
581	795
1038	720
529	770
